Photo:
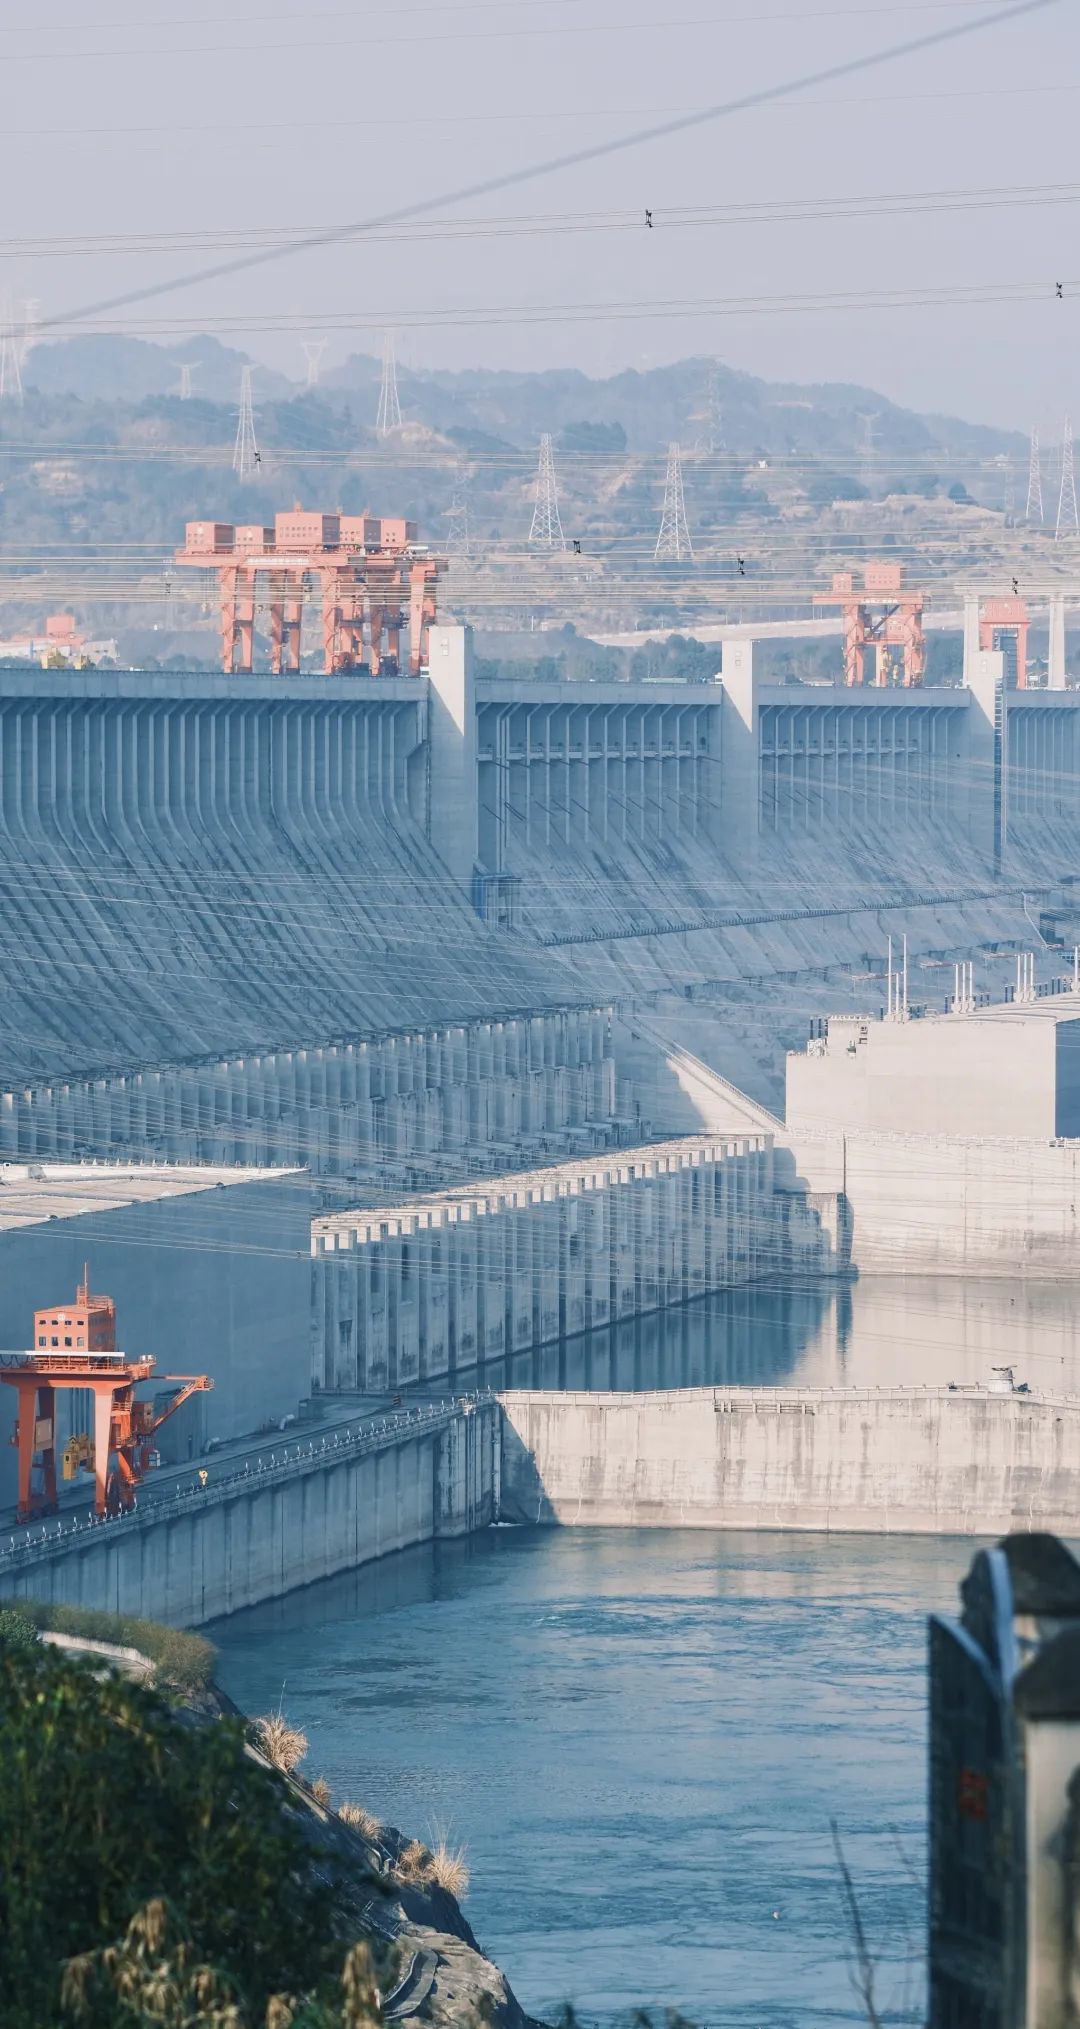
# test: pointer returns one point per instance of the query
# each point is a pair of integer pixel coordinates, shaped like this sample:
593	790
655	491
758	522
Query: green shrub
181	1659
17	1630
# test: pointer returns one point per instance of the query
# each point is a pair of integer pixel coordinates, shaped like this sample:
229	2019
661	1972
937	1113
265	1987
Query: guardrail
37	1543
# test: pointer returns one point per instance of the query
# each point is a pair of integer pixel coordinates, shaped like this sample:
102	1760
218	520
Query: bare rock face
433	1970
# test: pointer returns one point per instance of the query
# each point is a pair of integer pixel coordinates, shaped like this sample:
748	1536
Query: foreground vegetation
154	1871
181	1660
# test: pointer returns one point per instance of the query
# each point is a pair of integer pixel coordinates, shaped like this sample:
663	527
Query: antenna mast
546	531
389	415
1033	513
673	542
1068	518
246	452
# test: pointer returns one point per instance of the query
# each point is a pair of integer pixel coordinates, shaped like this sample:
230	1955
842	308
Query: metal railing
39	1542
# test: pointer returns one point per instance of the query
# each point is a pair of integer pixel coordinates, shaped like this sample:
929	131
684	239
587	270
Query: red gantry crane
374	581
879	615
75	1347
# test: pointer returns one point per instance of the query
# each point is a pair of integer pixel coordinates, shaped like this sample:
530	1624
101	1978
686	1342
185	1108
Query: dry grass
360	1820
446	1866
449	1868
413	1863
320	1790
281	1743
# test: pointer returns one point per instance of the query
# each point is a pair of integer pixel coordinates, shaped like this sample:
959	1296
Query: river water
642	1736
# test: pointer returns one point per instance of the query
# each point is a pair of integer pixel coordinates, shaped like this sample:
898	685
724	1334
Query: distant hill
102	460
128	369
671	403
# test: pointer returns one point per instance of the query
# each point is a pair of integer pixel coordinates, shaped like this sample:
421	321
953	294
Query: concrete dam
381	925
878	1461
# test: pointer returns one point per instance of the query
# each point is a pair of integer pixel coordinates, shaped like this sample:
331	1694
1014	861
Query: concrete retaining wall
920	1462
190	1560
937	1204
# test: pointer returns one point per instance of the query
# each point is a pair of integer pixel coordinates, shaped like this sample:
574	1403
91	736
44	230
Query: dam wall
322	1508
423	1291
917	1461
258	919
924	1204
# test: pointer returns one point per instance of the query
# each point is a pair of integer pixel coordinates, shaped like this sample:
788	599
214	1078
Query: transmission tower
1033	513
389	416
31	318
187	368
866	448
11	388
1068	519
459	538
246	453
313	355
1004	465
546	531
714	413
673	542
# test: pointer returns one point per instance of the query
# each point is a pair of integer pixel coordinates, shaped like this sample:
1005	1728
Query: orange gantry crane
75	1347
374	580
881	615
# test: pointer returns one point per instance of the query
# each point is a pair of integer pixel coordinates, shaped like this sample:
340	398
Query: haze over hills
639	411
103	462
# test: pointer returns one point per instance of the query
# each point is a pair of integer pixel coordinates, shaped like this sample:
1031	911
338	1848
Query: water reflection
884	1331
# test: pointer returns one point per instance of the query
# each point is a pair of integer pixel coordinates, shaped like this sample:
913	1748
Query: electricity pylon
866	448
459	535
11	388
31	318
246	451
389	413
546	531
712	415
1033	513
313	355
673	543
1068	519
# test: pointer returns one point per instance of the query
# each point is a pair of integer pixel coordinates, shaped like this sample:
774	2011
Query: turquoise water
641	1737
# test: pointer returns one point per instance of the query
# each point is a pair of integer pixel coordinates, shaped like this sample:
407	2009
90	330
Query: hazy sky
152	122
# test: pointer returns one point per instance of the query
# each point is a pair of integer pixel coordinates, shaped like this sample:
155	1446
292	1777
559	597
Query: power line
575	158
